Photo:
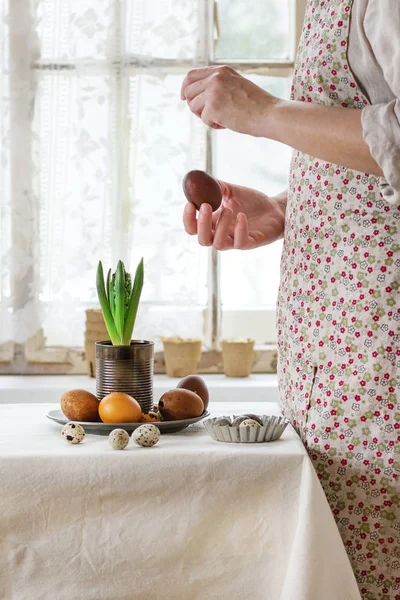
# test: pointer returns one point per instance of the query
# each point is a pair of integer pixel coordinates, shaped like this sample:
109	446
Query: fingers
198	107
189	219
219	229
208	121
197	104
204	225
222	238
195	94
240	240
241	235
196	75
245	239
196	88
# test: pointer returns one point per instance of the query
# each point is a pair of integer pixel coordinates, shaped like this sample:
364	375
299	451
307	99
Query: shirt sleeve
381	122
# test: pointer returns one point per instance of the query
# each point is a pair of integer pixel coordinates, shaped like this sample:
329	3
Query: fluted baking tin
271	430
127	369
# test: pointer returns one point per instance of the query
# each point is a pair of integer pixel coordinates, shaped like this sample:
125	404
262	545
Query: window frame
34	356
247	316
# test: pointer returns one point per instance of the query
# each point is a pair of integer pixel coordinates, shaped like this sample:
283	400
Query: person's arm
334	135
222	98
381	122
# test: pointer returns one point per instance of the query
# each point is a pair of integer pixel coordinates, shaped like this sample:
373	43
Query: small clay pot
238	357
181	356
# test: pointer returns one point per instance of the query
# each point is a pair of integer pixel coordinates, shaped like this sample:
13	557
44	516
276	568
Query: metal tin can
128	369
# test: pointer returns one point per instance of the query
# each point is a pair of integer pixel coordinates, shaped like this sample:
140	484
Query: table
188	519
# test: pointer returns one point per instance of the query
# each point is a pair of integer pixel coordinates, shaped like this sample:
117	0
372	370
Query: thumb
227	190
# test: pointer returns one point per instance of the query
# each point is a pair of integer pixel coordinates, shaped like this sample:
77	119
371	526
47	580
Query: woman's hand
223	99
247	219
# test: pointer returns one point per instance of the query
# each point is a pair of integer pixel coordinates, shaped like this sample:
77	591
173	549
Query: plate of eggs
176	410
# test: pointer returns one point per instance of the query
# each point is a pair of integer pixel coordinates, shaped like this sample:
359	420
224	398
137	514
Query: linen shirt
374	58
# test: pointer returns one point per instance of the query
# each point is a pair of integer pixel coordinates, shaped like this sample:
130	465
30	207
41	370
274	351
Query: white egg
119	439
249	423
146	435
73	433
255	418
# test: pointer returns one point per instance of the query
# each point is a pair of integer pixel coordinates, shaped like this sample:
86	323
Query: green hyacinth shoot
119	301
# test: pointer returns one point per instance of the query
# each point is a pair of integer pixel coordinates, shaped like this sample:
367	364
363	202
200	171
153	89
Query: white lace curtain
94	145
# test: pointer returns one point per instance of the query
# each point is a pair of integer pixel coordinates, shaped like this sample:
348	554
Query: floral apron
339	321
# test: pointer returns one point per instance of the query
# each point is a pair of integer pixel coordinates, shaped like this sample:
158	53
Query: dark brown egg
180	404
200	188
195	384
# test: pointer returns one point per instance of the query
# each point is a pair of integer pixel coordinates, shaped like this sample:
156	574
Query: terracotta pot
94	315
238	357
181	356
96	331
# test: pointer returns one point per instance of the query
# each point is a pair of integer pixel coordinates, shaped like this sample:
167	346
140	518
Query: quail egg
146	435
222	421
249	423
119	439
150	417
254	417
238	420
73	433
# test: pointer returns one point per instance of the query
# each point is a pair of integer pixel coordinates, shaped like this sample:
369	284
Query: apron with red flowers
339	320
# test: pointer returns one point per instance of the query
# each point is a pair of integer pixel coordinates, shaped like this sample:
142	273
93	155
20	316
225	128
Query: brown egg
200	188
195	384
180	404
80	405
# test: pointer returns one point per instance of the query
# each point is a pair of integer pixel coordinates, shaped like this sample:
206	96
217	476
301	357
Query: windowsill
48	388
60	360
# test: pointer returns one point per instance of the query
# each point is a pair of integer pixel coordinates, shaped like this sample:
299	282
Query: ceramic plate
104	428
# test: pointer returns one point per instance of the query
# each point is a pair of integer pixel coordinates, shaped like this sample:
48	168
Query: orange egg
119	407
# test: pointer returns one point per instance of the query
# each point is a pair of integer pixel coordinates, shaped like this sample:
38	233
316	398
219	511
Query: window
95	143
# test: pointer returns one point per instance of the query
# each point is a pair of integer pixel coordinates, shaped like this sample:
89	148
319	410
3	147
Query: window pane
75	29
73	169
260	30
110	156
251	278
106	29
160	29
166	142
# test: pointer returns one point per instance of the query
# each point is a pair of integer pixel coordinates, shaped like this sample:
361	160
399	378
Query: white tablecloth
190	519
